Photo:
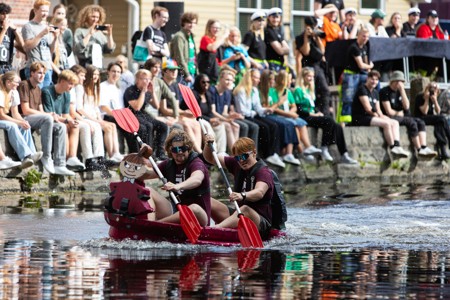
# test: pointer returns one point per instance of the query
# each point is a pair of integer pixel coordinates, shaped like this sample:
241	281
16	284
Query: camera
432	92
54	27
101	27
319	33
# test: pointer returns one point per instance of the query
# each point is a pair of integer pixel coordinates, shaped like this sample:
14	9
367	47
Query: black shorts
263	227
361	120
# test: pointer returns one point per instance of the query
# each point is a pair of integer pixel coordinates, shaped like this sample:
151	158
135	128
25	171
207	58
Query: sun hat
397	76
414	10
258	15
169	64
275	11
378	13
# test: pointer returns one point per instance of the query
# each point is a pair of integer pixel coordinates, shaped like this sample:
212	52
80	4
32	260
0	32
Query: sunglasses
243	156
179	149
205	81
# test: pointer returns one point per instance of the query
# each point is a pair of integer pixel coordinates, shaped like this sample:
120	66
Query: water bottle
446	35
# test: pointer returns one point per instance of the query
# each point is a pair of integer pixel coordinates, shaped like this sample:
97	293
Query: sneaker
8	163
326	155
275	160
36	156
26	163
47	163
63	171
346	159
75	163
289	158
117	157
310	159
92	164
427	152
311	150
399	151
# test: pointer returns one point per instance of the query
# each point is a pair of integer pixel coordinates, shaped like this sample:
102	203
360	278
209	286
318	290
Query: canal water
345	241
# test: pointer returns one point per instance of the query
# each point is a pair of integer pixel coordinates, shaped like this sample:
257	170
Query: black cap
432	13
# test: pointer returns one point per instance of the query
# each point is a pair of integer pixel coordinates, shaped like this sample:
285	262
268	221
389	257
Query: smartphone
101	27
54	27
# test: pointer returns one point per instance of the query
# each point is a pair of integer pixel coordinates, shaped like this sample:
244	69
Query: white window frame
369	11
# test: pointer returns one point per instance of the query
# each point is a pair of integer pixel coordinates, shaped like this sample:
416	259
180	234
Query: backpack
278	203
136	37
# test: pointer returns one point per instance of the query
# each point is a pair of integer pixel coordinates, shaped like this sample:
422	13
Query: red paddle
247	231
189	223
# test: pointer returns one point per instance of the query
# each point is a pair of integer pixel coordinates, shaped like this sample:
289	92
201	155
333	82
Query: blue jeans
20	139
289	133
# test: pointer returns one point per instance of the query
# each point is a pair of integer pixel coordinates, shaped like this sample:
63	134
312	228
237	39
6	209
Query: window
247	7
368	6
300	9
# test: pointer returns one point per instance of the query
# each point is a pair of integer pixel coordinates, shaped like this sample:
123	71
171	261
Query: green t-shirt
191	62
304	100
273	98
52	102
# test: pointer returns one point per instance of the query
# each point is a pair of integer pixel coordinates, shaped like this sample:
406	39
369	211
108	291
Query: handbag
140	52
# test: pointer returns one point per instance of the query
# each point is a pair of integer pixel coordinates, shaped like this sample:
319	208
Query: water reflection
53	270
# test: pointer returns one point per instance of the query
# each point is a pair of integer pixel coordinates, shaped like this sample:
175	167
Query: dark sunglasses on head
179	149
243	156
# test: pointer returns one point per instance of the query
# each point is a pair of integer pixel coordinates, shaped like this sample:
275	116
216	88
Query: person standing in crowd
53	133
9	38
18	130
332	30
254	196
366	111
153	35
276	45
351	24
207	59
60	12
183	50
395	104
375	24
151	131
410	26
39	40
428	109
332	133
187	176
92	37
355	73
56	100
318	4
248	103
310	53
60	55
254	41
431	28
235	55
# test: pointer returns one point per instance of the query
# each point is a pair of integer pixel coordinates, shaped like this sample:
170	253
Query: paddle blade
126	119
248	233
189	223
190	100
248	259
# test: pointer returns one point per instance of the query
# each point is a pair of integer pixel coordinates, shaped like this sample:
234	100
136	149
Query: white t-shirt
15	98
110	96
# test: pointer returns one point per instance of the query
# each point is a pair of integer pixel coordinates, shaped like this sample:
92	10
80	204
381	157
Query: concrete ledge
366	144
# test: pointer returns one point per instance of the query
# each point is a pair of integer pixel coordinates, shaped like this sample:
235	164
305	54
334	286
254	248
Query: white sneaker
399	151
47	163
8	163
311	150
75	163
326	155
117	157
275	160
289	158
63	171
346	159
310	159
36	156
26	163
427	152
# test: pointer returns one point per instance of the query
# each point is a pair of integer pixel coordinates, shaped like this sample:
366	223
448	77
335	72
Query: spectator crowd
242	81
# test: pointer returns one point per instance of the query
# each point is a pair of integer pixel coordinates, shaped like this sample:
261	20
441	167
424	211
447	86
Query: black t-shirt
420	100
338	3
390	30
357	107
315	54
354	51
408	30
393	97
132	93
256	45
270	35
7	48
157	36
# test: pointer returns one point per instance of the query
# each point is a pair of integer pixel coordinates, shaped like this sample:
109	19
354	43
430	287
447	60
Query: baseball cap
258	15
397	76
350	10
378	13
274	11
432	13
414	10
169	64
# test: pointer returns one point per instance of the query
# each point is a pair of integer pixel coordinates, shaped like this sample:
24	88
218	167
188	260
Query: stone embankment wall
366	144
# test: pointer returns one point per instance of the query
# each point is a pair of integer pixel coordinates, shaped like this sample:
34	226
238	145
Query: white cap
275	11
350	10
414	10
257	15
